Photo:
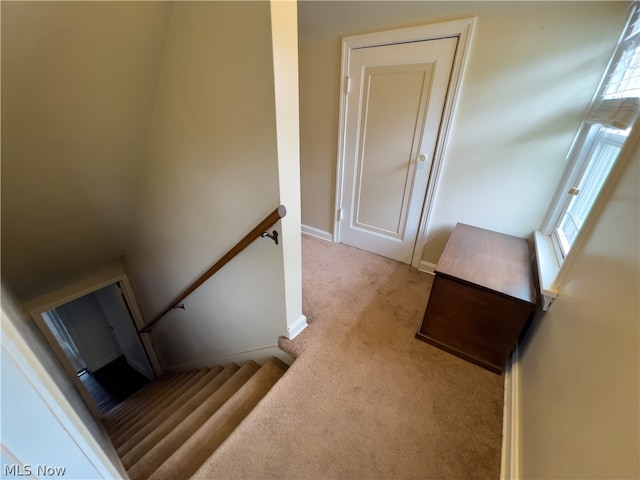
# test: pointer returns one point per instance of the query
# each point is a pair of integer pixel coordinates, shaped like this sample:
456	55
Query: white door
393	111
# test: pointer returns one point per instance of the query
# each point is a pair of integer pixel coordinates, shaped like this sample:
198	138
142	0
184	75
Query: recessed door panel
391	124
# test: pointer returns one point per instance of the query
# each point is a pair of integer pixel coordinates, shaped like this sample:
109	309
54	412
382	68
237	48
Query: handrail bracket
273	236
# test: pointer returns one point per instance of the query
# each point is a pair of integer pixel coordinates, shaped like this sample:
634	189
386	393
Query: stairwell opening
92	326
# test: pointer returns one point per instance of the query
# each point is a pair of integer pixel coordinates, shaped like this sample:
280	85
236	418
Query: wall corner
284	36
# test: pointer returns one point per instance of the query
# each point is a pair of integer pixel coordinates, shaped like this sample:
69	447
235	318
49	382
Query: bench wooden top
491	260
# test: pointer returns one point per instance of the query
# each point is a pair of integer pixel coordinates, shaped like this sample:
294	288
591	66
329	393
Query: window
597	157
599	140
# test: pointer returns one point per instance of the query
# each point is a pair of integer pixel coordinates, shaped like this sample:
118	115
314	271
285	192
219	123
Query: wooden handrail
271	219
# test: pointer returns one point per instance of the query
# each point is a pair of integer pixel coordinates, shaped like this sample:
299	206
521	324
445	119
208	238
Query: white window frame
596	136
552	256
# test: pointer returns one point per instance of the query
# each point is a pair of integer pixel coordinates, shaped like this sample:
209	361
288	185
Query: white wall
33	436
532	70
148	129
117	316
78	85
89	329
41	407
210	175
579	371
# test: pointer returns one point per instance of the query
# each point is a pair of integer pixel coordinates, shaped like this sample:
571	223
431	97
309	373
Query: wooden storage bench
482	298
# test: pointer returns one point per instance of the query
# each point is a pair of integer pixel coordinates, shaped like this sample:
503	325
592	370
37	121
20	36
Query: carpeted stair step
152	412
118	409
156	456
193	453
116	414
154	431
142	407
136	407
155	411
168	429
131	406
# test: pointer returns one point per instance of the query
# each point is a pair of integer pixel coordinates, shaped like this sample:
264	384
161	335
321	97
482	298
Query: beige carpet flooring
364	399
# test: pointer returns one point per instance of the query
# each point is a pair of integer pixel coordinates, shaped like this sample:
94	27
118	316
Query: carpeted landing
363	399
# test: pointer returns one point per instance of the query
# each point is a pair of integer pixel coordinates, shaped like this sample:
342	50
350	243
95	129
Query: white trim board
427	267
510	454
297	327
109	274
317	233
548	268
463	29
104	276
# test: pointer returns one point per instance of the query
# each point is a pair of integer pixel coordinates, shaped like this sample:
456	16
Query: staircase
169	428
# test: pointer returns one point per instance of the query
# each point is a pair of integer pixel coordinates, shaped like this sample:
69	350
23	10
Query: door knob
422	157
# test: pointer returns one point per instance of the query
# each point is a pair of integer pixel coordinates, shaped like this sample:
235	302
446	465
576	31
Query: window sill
548	268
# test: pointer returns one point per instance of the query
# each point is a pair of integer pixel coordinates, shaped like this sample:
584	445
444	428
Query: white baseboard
427	267
317	233
260	355
298	326
510	447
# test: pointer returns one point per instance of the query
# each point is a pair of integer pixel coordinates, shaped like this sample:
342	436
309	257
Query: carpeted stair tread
130	406
156	456
118	413
148	414
193	453
152	433
139	407
153	392
118	410
150	420
173	426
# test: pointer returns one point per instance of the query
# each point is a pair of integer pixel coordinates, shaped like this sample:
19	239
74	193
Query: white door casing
110	274
399	89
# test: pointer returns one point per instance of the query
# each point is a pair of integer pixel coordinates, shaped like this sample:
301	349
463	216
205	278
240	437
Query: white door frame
462	29
113	273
